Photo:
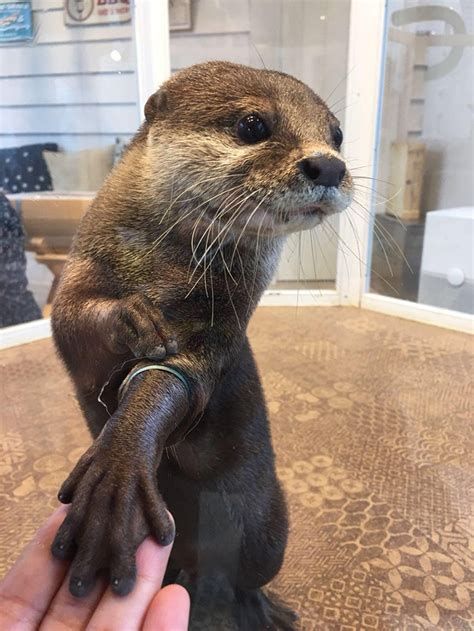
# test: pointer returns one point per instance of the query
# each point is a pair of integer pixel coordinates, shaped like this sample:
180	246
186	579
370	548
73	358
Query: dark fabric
17	304
24	170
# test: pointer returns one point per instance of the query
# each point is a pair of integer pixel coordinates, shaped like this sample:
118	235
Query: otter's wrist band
172	371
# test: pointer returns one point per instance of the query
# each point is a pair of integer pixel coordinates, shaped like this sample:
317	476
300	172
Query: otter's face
247	150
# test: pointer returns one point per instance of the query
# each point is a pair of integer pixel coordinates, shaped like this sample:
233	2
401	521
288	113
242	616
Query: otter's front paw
114	507
137	324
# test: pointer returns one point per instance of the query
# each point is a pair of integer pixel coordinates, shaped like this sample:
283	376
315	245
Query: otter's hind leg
260	560
243	537
260	610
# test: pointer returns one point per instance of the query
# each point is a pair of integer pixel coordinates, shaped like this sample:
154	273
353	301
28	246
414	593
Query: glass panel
304	38
68	107
424	223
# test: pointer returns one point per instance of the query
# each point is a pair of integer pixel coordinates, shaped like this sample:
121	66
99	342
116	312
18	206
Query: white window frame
152	45
366	61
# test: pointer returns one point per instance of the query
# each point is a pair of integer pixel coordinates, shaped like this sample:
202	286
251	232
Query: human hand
35	593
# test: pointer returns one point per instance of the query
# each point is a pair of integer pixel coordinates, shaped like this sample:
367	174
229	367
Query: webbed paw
113	508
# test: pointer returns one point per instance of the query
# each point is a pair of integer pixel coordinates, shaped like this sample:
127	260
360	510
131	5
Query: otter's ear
157	104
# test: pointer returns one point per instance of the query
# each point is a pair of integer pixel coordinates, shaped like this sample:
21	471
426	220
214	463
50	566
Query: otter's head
247	151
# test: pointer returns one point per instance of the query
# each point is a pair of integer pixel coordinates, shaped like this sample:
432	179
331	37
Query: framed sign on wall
86	12
16	23
180	15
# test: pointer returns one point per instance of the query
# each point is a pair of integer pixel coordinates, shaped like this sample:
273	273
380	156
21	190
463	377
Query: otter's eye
252	129
337	137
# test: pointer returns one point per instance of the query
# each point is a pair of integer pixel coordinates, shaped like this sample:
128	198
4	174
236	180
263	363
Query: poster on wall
16	23
180	15
87	12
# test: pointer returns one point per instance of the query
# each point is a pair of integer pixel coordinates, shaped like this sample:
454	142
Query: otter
150	319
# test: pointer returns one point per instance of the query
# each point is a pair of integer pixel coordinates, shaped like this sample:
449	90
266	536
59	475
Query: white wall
220	30
64	86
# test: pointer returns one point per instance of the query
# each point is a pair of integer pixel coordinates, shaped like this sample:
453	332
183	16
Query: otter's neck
148	247
231	276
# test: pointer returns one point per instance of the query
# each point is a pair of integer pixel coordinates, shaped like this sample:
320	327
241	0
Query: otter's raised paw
114	507
137	324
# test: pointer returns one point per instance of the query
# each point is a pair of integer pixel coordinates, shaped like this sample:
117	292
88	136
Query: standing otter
150	319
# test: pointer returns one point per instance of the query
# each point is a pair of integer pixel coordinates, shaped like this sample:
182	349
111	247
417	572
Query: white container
447	264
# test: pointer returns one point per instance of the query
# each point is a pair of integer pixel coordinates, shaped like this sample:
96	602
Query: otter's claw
137	324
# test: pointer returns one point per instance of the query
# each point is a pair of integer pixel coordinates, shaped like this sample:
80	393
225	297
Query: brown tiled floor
372	424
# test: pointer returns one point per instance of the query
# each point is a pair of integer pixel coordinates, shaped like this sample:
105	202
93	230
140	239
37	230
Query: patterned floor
371	419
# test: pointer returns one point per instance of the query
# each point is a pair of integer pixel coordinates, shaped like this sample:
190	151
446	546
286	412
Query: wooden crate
407	168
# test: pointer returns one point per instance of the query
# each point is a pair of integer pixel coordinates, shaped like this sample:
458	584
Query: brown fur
169	264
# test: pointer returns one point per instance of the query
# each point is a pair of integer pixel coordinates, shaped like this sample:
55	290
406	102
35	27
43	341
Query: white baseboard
299	298
425	314
25	333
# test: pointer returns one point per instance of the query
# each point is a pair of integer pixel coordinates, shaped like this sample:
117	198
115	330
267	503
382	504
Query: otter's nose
323	170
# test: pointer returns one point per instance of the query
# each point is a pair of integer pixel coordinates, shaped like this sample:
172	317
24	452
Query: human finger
126	613
169	610
68	613
29	587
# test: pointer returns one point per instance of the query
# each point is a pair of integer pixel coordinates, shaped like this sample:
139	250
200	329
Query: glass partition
304	38
69	105
68	108
424	222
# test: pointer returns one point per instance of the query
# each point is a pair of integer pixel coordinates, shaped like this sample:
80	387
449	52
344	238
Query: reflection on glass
307	39
424	225
68	109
